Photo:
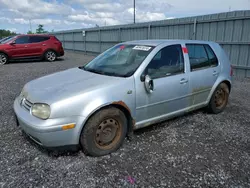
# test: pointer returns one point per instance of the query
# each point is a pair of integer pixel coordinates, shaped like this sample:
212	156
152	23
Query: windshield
121	60
6	40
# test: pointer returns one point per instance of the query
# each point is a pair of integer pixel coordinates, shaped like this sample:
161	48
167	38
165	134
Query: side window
22	40
201	56
197	56
212	57
35	39
168	61
44	38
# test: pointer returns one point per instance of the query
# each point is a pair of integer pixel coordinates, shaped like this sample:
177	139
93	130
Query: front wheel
50	56
3	59
104	132
219	99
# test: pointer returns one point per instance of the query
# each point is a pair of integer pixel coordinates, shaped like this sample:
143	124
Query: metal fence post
195	26
100	44
73	41
63	40
149	31
119	35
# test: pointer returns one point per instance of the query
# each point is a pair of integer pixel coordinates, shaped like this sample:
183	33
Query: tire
219	99
50	55
3	59
104	132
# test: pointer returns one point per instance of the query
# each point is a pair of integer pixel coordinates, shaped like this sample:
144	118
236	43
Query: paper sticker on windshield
143	48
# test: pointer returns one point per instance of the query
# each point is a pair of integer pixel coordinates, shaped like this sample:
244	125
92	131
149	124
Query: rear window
201	56
35	39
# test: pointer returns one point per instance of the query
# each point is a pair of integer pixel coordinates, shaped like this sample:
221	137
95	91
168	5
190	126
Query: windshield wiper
102	72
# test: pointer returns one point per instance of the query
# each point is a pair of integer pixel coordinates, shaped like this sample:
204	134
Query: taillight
231	70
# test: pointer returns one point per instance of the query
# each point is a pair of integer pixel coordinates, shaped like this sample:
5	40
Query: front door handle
183	81
44	44
25	46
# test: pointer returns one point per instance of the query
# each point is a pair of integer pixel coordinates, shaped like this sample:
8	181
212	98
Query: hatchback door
170	86
204	71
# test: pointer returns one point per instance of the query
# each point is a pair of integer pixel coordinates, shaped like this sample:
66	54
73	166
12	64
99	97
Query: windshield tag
143	48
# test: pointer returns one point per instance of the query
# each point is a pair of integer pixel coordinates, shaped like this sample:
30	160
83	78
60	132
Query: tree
30	32
40	29
6	33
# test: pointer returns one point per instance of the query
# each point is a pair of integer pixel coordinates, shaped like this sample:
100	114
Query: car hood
66	84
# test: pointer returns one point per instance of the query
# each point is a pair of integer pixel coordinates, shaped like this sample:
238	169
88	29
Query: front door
20	48
204	72
171	86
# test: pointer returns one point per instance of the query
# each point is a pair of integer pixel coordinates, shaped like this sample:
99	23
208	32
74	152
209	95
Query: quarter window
201	56
168	61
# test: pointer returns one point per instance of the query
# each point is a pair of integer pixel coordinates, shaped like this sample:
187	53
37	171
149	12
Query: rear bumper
49	133
61	53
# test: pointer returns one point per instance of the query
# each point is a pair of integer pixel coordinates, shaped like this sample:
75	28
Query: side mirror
149	84
13	43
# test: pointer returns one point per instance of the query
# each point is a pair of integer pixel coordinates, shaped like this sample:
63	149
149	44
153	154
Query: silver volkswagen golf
129	86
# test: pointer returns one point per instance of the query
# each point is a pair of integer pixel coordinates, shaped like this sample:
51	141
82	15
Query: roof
161	41
43	34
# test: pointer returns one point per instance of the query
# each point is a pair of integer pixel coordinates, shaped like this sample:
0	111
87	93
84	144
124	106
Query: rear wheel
50	56
219	99
3	59
104	132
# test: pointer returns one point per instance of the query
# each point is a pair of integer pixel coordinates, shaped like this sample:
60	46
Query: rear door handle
183	81
44	44
215	73
25	46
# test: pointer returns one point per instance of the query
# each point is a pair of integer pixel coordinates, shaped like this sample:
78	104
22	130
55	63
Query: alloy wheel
3	59
51	56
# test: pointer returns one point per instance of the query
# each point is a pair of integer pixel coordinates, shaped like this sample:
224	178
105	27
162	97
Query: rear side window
211	55
35	39
201	56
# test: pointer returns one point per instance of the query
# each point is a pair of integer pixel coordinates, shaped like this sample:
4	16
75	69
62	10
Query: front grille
27	104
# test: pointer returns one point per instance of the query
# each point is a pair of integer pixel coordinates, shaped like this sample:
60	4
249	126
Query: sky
18	15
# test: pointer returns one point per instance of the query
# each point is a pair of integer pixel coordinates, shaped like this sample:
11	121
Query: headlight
41	111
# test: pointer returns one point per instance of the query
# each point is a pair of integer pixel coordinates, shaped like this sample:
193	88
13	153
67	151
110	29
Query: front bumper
49	133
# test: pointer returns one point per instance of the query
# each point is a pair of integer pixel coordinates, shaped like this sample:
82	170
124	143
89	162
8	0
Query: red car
21	47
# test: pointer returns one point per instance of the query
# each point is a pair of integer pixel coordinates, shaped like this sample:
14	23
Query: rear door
37	44
204	71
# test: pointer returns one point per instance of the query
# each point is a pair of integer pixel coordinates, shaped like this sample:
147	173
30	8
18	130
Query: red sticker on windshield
122	47
185	50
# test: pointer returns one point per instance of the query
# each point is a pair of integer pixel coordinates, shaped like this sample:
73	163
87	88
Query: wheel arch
229	85
227	82
50	49
119	105
4	53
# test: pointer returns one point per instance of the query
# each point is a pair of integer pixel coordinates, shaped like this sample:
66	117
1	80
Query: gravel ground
196	150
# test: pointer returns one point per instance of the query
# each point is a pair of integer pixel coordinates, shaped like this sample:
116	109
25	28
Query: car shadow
33	61
166	123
